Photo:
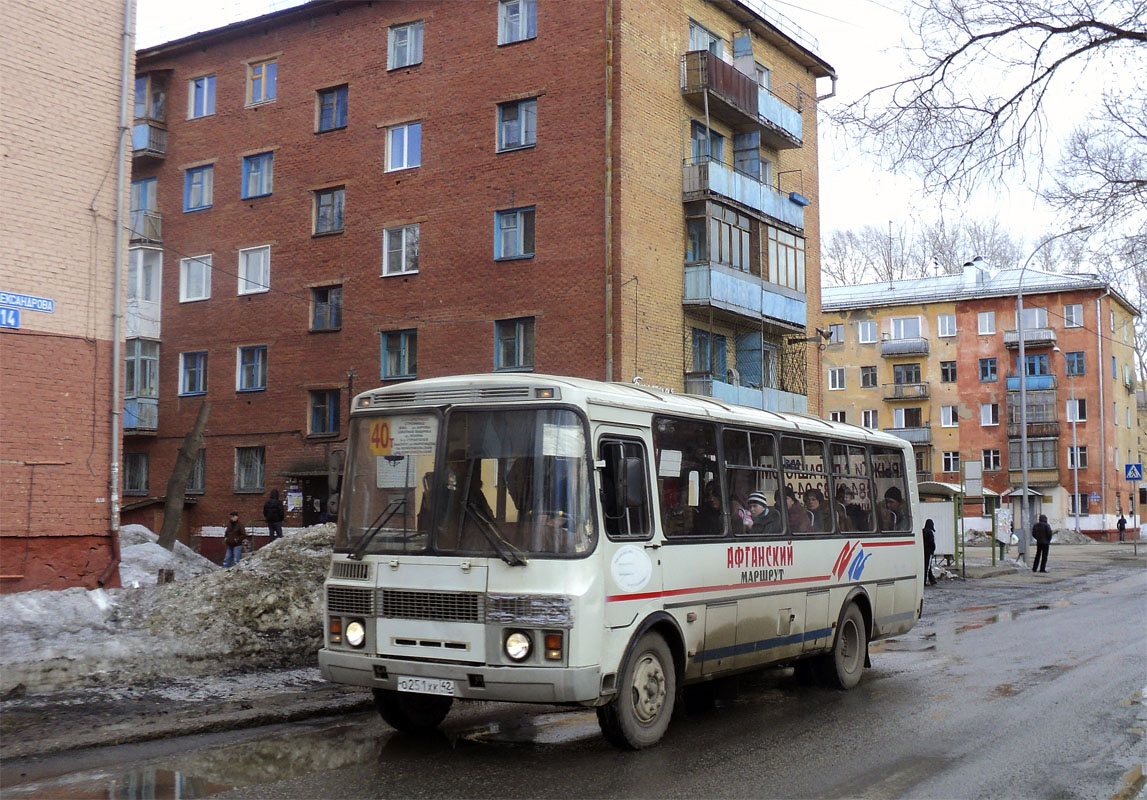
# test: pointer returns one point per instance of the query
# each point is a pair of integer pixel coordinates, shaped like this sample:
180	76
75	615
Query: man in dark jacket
273	514
1041	532
1122	526
234	536
929	551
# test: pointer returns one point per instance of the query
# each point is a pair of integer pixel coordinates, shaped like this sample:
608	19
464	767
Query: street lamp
1074	442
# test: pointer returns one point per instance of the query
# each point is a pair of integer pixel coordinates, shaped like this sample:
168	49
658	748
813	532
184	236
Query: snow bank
141	558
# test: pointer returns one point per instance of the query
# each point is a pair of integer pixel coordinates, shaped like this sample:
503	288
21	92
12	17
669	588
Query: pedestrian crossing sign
1133	472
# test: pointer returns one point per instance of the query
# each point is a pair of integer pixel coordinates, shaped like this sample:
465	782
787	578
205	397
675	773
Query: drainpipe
1100	372
609	191
117	313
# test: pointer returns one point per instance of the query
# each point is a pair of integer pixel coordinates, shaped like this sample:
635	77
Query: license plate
426	685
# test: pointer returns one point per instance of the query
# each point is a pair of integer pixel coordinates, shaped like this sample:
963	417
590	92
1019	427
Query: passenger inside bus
795	512
890	509
817	513
765	519
709	520
739	516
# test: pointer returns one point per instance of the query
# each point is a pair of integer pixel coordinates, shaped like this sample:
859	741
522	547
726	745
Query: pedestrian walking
273	514
1041	532
929	551
235	536
1122	526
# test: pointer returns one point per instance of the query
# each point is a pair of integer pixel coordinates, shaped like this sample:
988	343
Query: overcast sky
858	37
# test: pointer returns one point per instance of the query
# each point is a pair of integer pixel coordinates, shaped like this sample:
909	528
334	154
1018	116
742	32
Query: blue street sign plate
9	317
1133	472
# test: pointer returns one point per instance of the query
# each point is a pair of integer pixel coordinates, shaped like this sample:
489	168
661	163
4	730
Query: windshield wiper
380	521
506	551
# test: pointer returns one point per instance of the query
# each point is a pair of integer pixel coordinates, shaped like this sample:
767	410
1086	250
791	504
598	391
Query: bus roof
507	387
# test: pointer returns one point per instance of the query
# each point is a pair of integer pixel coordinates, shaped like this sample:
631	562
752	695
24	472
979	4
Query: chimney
973	275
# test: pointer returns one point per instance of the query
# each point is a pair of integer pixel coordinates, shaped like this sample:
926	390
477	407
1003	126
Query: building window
905	373
907	418
514	233
514	343
701	38
151	97
1114	369
949	417
866	332
988	370
696	240
197	478
261	81
255	270
325	412
400	250
906	328
330	207
1079	501
399	354
143	273
987	322
517	20
251	368
989	413
836	334
517	124
193	373
1115	421
1077	457
250	468
1034	317
836	416
195	278
951	460
710	353
197	187
947	371
730	236
868	418
201	97
786	259
1073	316
135	469
1075	363
868	377
1077	410
946	324
705	144
257	175
404	146
991	460
1034	364
332	108
326	308
1042	454
1112	313
404	45
836	378
141	367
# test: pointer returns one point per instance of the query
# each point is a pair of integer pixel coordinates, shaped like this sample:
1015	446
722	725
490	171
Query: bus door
632	548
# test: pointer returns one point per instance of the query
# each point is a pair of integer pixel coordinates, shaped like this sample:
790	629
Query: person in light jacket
1041	532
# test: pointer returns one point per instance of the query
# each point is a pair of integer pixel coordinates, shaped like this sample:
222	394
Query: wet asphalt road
1007	688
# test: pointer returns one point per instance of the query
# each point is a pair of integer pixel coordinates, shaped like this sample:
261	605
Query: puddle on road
1004	616
144	784
558	728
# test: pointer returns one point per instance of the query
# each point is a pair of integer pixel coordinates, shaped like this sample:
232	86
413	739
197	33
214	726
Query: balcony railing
782	125
920	435
146	226
736	99
892	348
140	414
1033	337
1037	476
905	391
1043	428
1033	383
148	139
703	383
706	176
741	293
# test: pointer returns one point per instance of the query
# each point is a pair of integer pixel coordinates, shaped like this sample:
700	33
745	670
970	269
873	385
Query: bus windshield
513	484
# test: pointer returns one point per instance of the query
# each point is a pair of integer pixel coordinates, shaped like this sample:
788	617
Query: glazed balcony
1033	337
140	414
704	176
148	139
917	435
1036	429
718	286
1033	383
894	348
906	391
769	399
146	226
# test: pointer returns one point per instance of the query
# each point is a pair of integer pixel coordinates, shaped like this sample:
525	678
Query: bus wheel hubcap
648	689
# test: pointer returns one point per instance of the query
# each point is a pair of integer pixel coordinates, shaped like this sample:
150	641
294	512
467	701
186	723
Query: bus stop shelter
943	504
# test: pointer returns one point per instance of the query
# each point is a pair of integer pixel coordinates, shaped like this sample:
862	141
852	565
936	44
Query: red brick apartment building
341	195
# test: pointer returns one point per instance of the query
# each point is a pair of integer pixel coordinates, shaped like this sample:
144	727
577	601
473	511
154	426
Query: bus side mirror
632	492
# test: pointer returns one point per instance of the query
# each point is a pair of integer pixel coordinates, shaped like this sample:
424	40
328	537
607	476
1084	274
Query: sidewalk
52	722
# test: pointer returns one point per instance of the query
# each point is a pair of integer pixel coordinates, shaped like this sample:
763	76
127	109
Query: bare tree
177	484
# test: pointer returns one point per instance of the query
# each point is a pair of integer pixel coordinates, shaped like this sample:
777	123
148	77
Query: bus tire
639	712
409	712
845	663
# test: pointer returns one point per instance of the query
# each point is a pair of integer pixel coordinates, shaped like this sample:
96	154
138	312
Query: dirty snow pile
1067	536
262	614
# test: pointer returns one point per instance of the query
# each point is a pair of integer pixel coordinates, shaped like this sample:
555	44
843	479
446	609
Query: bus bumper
514	684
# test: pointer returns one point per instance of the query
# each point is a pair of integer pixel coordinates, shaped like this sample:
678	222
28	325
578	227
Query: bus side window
687	477
624	489
893	505
852	489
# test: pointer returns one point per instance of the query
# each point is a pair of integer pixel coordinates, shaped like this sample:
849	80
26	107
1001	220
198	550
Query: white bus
523	537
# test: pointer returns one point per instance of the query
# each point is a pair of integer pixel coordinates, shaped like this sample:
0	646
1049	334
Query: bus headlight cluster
518	646
355	633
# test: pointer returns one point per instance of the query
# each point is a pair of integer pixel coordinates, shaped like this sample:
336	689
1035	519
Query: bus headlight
355	633
518	645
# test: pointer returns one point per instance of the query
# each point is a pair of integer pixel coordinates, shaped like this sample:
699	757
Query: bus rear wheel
410	712
639	713
844	665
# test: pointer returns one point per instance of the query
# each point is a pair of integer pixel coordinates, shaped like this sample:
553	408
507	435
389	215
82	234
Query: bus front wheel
639	713
412	713
846	661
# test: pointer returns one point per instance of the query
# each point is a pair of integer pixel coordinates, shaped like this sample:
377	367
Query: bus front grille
346	600
350	570
440	606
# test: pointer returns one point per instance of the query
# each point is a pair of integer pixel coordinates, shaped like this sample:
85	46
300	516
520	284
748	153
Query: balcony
707	177
1043	428
894	348
148	140
905	391
737	100
146	226
1033	337
742	293
140	414
1043	476
703	383
921	435
782	126
1033	383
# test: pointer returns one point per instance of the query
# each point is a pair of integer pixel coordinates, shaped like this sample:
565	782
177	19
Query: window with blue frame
709	353
988	370
514	233
332	108
1075	363
197	187
399	354
193	373
251	369
1114	369
257	174
1036	364
517	124
325	412
514	344
201	97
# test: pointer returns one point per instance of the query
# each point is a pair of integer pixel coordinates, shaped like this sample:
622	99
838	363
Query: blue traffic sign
9	317
1133	472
